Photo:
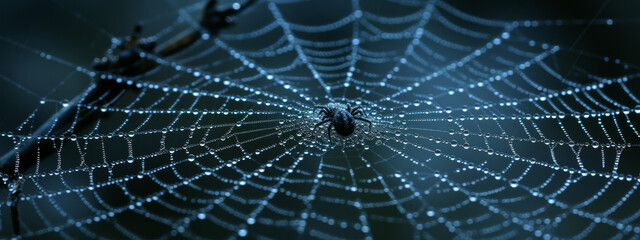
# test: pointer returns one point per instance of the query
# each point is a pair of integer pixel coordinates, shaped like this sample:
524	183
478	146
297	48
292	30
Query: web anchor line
129	63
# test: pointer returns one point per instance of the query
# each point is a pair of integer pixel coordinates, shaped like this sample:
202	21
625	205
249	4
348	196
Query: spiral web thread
477	132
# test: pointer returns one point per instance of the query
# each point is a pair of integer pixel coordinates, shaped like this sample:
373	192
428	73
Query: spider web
479	130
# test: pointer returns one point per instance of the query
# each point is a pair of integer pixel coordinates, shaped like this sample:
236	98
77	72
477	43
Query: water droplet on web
191	157
130	159
497	176
242	232
513	183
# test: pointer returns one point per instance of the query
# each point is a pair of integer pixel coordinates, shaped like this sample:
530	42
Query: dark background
79	31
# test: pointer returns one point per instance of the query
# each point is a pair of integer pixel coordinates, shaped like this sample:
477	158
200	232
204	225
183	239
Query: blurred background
599	37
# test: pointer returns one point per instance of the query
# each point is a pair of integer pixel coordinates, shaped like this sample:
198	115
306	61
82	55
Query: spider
342	120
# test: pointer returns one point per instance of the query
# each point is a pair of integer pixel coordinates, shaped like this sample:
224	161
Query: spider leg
320	123
358	108
365	120
325	112
329	131
355	113
323	108
348	107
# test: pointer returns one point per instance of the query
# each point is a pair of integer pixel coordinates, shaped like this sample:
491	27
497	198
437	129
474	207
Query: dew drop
513	183
242	232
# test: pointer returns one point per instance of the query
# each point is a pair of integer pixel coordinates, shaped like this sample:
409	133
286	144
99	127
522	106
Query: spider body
343	122
341	119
